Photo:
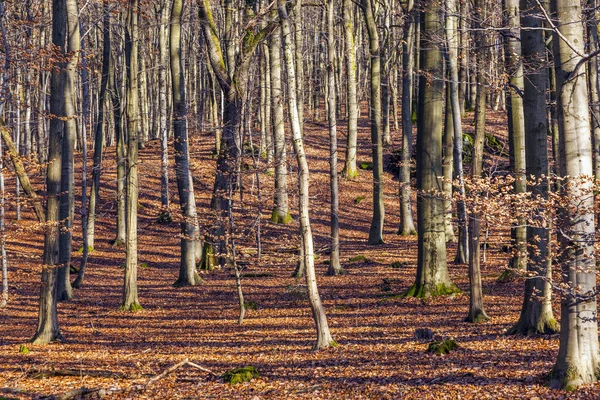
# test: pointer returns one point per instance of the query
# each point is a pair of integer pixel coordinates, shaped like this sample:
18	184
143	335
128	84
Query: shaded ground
378	355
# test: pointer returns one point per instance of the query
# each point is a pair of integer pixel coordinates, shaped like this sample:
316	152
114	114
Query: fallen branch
175	367
77	372
21	173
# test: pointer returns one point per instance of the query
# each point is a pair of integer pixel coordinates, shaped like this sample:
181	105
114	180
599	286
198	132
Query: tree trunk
578	359
281	213
432	278
536	312
118	111
376	230
350	170
448	164
130	292
163	103
334	257
47	328
64	291
324	338
187	201
407	225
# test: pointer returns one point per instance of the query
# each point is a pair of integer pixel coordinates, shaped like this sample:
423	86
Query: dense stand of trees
235	68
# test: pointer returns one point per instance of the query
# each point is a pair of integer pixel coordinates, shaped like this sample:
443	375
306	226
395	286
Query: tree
334	259
324	338
578	360
130	292
432	278
47	328
376	230
350	170
536	313
185	185
64	290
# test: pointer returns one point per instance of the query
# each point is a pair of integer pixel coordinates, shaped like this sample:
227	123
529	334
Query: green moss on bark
426	291
277	218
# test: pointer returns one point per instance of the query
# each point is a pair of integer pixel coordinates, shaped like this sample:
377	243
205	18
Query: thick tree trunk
578	359
432	277
47	328
536	312
130	292
324	338
187	201
376	230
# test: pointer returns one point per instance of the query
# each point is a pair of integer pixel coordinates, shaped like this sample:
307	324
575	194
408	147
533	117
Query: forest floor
378	355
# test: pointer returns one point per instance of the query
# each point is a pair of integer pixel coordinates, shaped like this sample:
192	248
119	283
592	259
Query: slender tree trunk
64	290
476	308
98	131
407	225
578	360
130	293
281	213
350	170
432	277
452	36
448	164
334	258
118	111
163	127
189	225
376	230
516	128
324	338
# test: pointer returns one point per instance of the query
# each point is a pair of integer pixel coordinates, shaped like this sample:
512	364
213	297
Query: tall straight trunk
432	277
516	128
281	213
130	293
350	170
578	360
47	328
334	258
452	38
64	290
98	131
185	185
324	338
268	108
119	126
299	61
476	308
376	230
407	225
448	164
143	94
536	312
163	104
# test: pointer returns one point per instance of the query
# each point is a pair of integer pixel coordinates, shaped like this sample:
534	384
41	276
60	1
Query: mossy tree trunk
578	360
432	271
